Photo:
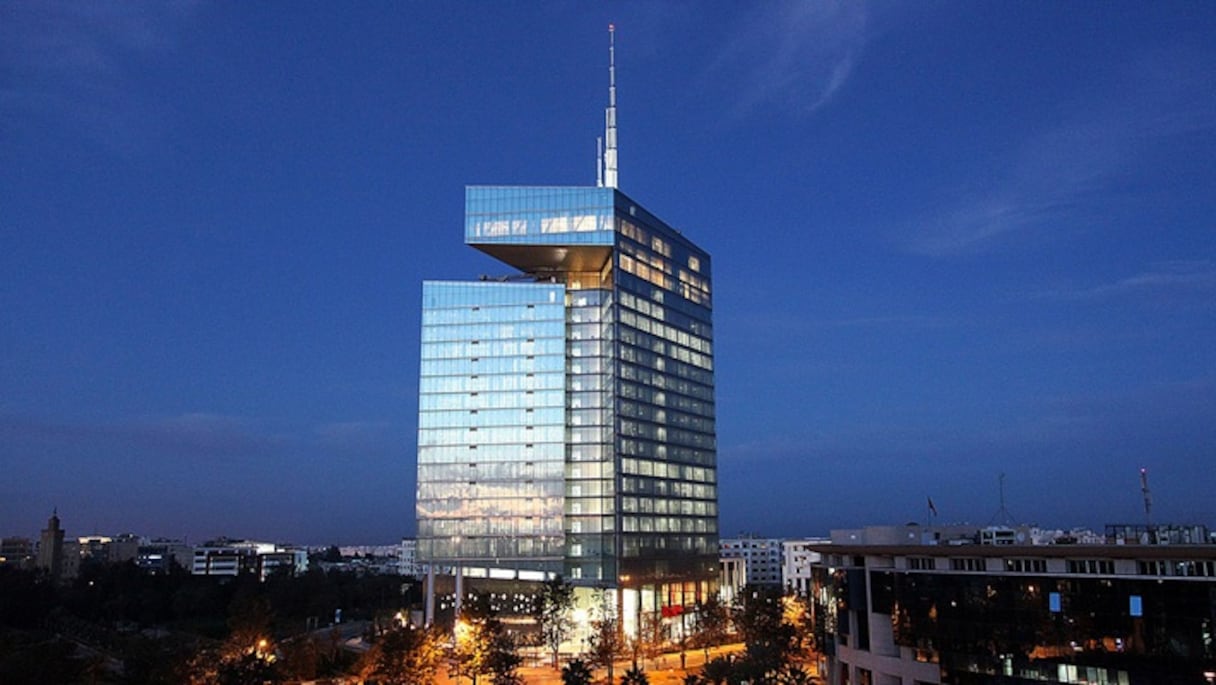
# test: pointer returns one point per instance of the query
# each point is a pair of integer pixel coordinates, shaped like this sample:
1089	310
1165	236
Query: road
662	670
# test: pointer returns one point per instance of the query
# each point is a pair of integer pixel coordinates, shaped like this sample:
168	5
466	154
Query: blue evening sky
951	240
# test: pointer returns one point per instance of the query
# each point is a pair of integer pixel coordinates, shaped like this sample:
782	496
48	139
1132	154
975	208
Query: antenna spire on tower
599	161
609	166
1148	498
1002	517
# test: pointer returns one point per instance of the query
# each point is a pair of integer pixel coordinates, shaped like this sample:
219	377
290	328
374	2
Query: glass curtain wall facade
567	411
492	423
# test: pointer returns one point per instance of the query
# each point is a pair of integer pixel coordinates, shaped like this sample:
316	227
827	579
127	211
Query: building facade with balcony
910	606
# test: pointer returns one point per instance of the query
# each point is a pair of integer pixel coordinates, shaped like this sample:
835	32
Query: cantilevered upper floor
552	230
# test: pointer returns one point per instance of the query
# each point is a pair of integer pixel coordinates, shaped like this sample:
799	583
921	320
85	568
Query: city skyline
950	242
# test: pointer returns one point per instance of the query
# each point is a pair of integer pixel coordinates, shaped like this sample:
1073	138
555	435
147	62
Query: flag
932	509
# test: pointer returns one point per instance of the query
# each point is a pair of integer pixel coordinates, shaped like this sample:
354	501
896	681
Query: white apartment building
796	560
731	578
762	557
234	557
407	558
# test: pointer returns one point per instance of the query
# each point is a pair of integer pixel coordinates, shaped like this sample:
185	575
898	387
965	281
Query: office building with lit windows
566	410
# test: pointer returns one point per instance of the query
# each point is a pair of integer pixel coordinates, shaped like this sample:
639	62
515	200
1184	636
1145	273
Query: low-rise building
160	555
797	556
17	552
732	576
106	549
407	559
762	557
910	605
226	557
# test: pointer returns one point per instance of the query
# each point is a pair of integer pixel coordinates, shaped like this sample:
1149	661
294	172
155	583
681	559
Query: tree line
116	624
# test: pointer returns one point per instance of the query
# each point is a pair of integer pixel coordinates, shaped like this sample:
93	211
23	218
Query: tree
606	642
792	674
711	624
634	676
652	637
471	648
404	656
247	657
577	672
483	644
717	671
247	669
502	659
249	620
797	613
769	638
224	667
552	613
301	658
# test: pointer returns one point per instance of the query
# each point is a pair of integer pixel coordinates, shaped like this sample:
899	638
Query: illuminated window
659	245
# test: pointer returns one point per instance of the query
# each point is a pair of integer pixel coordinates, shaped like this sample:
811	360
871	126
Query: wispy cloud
186	435
196	435
898	321
1069	169
1173	276
793	323
359	437
70	62
790	55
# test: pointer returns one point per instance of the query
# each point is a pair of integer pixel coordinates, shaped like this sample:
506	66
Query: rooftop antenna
1148	498
610	179
1003	517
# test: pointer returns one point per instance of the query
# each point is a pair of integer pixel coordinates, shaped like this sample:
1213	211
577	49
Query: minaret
50	548
610	179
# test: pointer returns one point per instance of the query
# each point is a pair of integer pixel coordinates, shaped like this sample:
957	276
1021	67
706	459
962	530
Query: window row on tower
490	400
482	314
697	387
665	417
668	524
513	347
635	447
470	453
519	330
494	435
662	469
453	502
649	545
647	324
485	418
657	486
668	397
493	382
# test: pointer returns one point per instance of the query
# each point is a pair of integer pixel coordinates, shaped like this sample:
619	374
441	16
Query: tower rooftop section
542	229
539	229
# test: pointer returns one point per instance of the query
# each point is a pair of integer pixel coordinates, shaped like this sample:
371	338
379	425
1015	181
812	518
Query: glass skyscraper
566	411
